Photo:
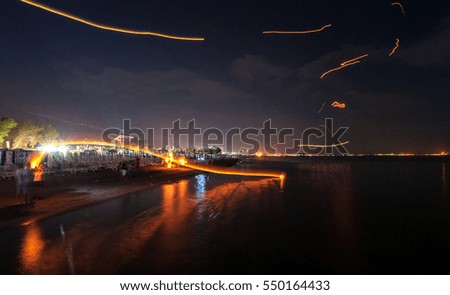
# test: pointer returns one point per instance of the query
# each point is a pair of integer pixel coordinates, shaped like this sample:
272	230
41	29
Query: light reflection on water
32	249
161	232
200	186
444	180
333	216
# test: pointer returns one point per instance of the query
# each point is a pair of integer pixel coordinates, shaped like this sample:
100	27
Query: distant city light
53	148
324	145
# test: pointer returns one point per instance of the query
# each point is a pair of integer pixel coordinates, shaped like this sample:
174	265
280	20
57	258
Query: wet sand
61	194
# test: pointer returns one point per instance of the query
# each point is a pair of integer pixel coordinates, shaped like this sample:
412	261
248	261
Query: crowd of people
126	168
30	181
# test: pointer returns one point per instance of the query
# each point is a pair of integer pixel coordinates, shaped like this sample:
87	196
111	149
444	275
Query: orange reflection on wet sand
160	235
32	247
176	205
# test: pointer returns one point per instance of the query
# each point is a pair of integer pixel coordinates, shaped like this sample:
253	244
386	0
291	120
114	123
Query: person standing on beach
124	169
129	169
138	164
22	178
59	170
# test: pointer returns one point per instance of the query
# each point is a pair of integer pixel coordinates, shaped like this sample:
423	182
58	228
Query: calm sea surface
330	215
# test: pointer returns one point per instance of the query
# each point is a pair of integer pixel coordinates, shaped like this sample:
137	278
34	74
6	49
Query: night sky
83	79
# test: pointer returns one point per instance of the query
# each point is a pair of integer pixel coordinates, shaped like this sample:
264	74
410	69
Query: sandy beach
71	191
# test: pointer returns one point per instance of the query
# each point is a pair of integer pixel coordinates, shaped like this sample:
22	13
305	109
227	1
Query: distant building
124	140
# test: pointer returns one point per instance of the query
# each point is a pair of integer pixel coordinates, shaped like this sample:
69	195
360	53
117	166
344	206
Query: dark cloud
257	69
155	96
433	51
72	75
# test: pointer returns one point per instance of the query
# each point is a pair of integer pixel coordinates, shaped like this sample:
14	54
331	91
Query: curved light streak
397	43
401	6
183	162
169	159
324	146
354	59
234	172
297	32
338	68
345	64
337	104
108	28
321	107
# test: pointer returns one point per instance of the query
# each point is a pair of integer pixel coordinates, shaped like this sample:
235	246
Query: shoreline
71	192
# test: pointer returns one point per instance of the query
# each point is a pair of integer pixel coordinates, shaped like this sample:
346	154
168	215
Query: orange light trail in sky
108	28
338	68
321	107
345	64
336	104
224	171
397	43
297	32
354	59
183	161
324	146
401	6
89	142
